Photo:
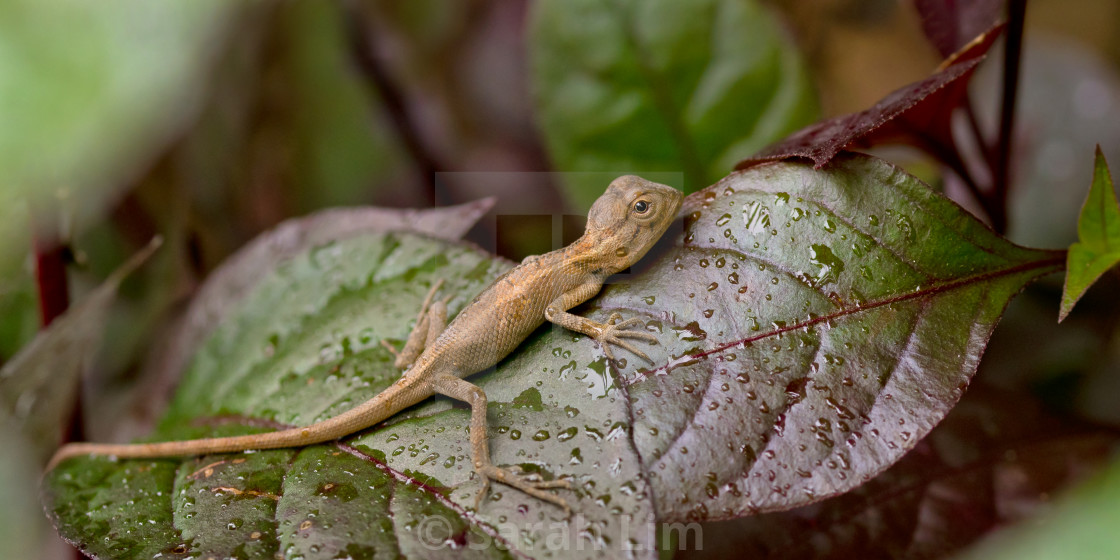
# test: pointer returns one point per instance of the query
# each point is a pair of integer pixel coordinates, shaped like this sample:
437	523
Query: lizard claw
615	333
529	484
389	346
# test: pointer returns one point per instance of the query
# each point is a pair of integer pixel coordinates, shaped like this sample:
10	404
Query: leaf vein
934	289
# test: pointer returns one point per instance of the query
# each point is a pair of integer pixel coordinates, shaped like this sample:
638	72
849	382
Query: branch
361	45
1017	10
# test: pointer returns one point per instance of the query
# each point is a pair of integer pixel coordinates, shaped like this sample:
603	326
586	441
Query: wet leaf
237	276
951	25
684	88
304	344
1098	231
815	326
37	386
997	459
917	114
794	310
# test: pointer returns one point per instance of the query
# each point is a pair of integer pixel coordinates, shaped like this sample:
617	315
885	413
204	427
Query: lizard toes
529	484
648	337
626	345
631	322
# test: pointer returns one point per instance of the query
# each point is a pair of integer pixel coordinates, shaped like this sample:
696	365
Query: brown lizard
621	227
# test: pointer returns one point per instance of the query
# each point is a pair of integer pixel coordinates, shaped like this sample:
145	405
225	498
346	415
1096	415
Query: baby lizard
621	227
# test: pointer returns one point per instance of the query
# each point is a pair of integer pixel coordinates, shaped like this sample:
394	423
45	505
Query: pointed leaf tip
1098	230
37	386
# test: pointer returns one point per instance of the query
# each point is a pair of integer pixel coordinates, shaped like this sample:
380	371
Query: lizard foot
615	333
529	484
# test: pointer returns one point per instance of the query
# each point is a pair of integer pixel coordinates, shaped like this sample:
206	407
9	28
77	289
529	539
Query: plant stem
1017	10
50	278
361	45
54	300
950	156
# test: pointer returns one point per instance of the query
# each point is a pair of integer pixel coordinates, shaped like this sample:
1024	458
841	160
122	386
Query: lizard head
631	216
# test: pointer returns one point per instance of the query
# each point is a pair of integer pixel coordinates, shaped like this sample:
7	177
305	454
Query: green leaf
675	91
85	108
810	333
37	386
1098	231
1082	525
239	274
23	530
304	344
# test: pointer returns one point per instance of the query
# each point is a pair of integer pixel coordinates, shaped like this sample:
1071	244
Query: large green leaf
91	92
685	88
305	345
813	326
239	275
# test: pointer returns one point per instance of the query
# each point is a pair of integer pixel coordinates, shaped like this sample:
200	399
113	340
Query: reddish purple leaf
996	459
916	114
951	24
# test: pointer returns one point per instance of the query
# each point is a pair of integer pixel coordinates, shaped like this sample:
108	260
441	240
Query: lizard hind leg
430	322
466	391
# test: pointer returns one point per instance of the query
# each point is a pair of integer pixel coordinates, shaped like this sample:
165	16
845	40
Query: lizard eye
641	207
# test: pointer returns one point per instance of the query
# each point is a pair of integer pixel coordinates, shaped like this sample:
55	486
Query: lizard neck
597	253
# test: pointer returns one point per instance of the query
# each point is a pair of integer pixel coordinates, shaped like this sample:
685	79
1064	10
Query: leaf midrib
1056	263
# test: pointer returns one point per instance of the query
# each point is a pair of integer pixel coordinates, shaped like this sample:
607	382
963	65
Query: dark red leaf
996	459
916	114
951	24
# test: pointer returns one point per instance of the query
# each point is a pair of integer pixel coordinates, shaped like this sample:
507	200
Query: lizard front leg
470	393
611	332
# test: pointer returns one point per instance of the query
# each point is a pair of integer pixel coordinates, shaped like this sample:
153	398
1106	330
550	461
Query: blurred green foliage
634	86
90	90
1082	525
338	152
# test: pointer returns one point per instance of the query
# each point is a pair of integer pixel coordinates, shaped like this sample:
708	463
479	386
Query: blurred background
209	122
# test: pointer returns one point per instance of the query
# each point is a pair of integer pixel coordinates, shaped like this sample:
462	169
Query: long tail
406	392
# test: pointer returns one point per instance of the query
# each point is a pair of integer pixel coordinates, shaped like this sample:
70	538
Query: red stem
50	277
